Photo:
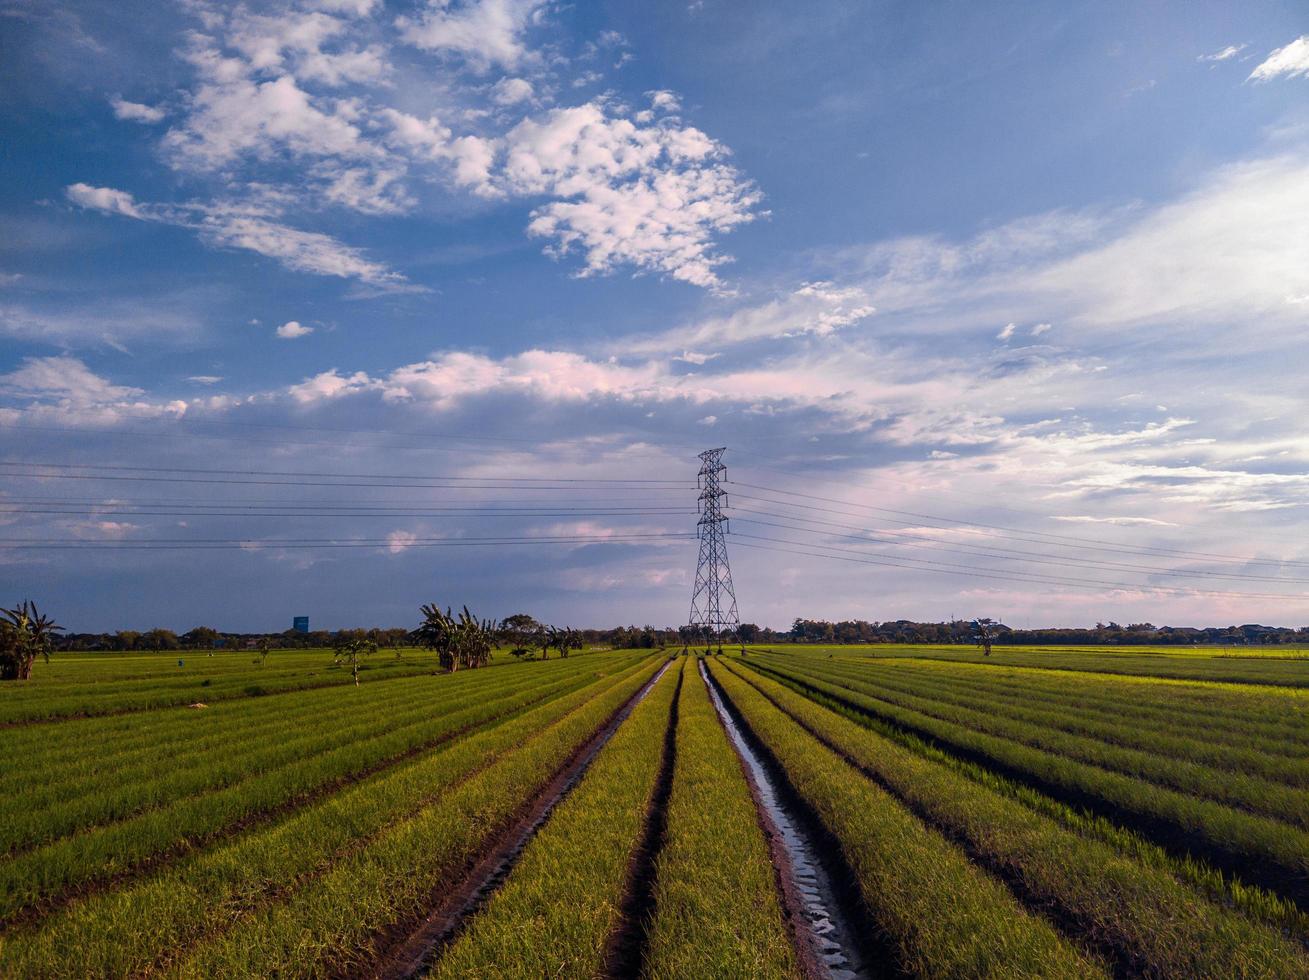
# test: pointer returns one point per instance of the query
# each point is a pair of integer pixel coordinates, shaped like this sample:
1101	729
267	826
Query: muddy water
832	933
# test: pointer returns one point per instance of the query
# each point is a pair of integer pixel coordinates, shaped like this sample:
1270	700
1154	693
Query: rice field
1044	812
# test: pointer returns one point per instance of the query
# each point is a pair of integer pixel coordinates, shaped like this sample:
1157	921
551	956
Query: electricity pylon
713	575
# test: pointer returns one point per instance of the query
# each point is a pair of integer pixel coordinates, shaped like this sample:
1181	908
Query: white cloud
511	91
815	308
649	197
707	420
136	112
664	101
103	199
1225	54
1234	248
484	31
1007	331
329	385
65	378
301	251
399	541
205	379
1289	61
233	118
292	329
1039	329
692	357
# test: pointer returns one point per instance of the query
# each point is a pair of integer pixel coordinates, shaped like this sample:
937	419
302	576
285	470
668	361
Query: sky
336	307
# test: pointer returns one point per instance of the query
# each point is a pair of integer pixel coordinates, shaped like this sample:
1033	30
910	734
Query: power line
1000	575
252	544
1015	556
512	480
1002	531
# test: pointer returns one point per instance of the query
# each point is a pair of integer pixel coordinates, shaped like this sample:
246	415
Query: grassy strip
103	853
124	931
554	914
1118	720
716	906
1273	800
945	916
1266	849
1150	921
332	741
338	923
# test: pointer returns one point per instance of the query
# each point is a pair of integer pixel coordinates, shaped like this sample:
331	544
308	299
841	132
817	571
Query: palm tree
25	634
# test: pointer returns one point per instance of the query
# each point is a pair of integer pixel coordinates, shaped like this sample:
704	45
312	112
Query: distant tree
748	632
520	632
984	634
200	638
264	649
159	639
126	639
25	634
351	651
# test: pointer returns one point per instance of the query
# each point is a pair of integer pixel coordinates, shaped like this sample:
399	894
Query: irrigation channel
414	955
824	924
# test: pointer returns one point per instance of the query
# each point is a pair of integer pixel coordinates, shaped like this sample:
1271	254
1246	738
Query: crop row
195	682
567	905
1267	850
1276	671
1140	917
110	850
1046	730
940	914
394	834
555	914
361	729
716	911
1216	711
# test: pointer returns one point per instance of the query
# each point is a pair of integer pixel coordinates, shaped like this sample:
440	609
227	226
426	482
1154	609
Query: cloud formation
308	91
1289	61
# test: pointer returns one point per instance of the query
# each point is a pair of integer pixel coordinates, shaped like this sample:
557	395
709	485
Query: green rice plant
1219	715
138	926
1270	849
165	777
1142	916
1289	669
943	915
105	852
1274	800
555	914
1257	903
336	923
716	908
200	678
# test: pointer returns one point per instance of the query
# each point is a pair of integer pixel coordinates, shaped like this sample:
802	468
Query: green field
1039	812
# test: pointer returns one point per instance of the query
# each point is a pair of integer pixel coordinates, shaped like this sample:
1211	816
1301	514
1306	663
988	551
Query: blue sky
1030	278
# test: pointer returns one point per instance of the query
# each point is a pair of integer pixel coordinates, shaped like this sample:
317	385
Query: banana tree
25	634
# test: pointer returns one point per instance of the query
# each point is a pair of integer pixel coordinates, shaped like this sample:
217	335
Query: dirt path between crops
414	951
626	948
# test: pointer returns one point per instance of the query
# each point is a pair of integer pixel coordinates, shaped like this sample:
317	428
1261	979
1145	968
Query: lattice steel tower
713	576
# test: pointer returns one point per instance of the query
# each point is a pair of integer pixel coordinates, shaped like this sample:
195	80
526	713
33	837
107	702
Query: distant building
300	624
